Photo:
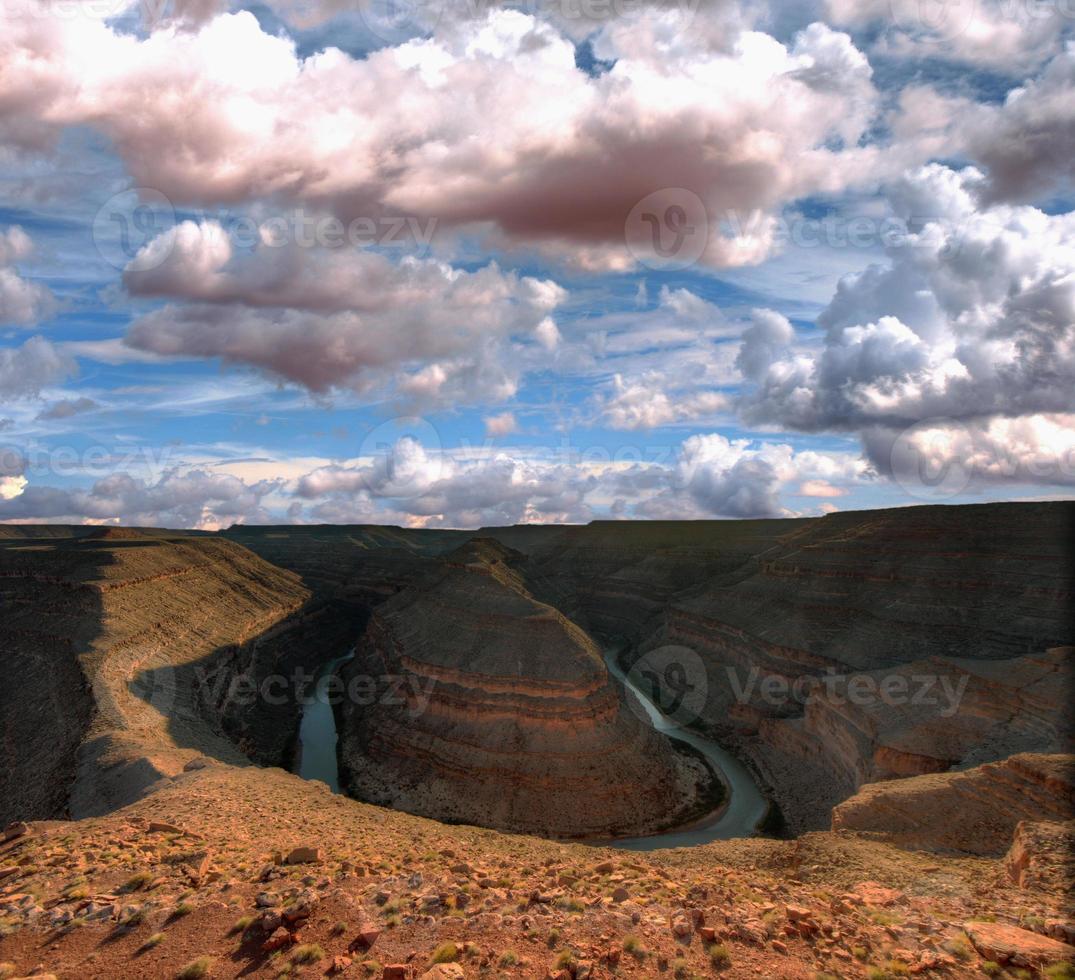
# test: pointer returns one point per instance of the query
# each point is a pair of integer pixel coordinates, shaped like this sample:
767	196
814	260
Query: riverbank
744	807
316	749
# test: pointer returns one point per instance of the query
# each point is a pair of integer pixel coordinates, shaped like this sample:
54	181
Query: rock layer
975	811
493	708
127	646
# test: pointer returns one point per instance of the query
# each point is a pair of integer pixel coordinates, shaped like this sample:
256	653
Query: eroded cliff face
975	811
972	602
493	708
949	619
128	645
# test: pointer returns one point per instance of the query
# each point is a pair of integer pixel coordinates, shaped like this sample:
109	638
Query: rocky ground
248	872
188	859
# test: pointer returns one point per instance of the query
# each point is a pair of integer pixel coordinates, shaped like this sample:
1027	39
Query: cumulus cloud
35	364
328	318
651	400
1027	144
501	128
992	33
945	457
179	498
973	315
768	333
971	323
711	476
22	302
717	476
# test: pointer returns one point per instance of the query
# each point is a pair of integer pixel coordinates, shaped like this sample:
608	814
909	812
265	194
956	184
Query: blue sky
867	301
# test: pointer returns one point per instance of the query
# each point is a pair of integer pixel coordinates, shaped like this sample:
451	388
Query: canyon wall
491	707
972	602
128	645
975	811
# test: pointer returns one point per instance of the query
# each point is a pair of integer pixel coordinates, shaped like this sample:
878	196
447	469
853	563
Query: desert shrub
195	969
445	953
633	945
959	947
1060	971
719	957
307	953
241	925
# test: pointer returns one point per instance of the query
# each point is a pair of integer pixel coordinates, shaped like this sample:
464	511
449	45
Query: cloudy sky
465	262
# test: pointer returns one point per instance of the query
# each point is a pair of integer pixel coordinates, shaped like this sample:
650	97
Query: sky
453	263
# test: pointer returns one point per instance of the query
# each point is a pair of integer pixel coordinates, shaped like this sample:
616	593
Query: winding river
740	813
738	816
317	733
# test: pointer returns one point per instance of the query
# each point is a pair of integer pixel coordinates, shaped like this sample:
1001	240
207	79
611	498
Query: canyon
897	683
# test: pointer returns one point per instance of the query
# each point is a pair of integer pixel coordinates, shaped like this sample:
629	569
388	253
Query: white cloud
22	303
993	33
768	333
711	476
501	129
190	498
974	315
324	318
503	424
35	364
644	403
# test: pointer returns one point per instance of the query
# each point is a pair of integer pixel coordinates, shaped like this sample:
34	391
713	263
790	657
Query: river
743	809
738	816
317	733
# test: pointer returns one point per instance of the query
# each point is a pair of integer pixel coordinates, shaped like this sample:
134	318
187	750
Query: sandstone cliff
121	650
975	811
493	708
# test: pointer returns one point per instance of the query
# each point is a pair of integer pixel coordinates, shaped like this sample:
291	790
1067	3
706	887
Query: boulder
1007	944
366	937
1042	855
278	940
303	855
444	971
16	829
